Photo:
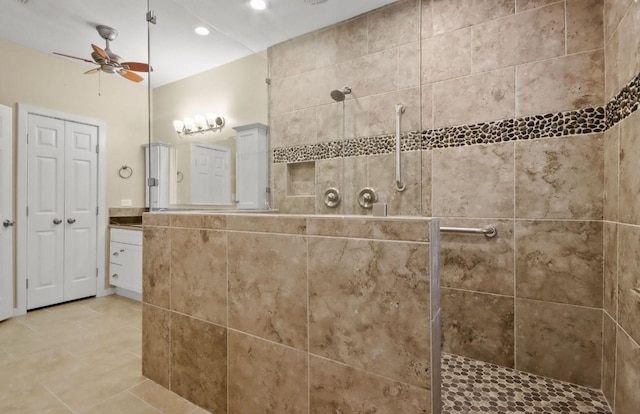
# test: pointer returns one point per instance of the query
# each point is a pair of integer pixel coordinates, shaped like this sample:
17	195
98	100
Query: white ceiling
68	26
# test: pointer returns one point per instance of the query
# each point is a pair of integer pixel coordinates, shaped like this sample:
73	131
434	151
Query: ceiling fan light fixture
258	4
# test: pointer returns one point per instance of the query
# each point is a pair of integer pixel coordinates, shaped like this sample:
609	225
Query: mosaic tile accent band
577	122
625	103
470	386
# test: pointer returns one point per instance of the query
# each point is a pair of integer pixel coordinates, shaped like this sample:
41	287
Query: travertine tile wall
297	314
532	297
621	320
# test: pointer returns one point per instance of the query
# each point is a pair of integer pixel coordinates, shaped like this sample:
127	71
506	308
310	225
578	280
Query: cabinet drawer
117	252
116	274
125	267
127	236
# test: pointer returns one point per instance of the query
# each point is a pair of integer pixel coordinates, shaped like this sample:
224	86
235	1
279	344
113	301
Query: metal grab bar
489	231
399	184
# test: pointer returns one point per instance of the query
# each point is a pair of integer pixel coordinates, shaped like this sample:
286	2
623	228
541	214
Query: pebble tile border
470	386
577	122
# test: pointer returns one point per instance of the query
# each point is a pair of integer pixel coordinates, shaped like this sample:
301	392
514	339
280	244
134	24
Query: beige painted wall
237	91
47	81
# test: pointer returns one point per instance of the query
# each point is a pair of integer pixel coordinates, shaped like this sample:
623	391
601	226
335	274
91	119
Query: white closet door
45	221
6	214
210	178
80	204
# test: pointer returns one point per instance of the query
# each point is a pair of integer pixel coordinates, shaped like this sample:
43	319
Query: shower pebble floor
470	386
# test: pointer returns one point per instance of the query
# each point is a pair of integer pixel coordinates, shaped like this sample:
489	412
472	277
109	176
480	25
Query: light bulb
178	126
201	30
201	123
258	4
189	124
211	119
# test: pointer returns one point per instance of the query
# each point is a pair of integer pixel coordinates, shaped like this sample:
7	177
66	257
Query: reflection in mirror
195	116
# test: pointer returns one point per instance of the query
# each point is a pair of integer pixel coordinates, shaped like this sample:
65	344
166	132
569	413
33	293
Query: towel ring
125	172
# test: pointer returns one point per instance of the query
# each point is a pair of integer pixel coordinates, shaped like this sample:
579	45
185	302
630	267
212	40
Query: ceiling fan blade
89	72
101	52
137	66
74	57
130	75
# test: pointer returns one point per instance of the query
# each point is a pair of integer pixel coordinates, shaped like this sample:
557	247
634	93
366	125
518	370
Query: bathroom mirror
196	114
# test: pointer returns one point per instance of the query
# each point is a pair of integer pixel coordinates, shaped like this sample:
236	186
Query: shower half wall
293	314
510	120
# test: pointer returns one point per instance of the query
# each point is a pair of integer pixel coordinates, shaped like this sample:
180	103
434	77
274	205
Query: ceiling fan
108	61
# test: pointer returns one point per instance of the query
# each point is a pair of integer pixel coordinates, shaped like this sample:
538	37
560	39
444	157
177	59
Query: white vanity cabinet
157	169
125	263
252	167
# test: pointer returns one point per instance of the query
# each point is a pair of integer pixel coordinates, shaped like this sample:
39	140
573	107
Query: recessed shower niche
301	179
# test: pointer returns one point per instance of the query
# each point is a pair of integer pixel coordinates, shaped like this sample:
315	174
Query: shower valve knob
332	197
367	197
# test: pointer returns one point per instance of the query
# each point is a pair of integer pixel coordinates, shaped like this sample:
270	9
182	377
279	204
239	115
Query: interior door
210	175
6	214
45	231
80	209
61	221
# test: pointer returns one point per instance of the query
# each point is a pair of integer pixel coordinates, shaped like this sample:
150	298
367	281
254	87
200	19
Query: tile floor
80	357
84	357
470	386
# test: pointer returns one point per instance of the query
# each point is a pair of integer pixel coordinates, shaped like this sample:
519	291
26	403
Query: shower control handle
367	197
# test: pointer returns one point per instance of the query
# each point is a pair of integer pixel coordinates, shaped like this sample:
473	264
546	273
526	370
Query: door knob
57	221
8	223
71	220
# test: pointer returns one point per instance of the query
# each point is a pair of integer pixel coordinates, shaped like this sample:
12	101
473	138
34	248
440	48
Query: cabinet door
132	269
126	266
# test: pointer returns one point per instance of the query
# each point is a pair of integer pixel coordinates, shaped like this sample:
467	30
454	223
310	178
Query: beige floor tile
48	317
199	410
5	358
86	388
80	357
162	399
14	328
43	367
108	322
21	346
123	402
119	339
32	399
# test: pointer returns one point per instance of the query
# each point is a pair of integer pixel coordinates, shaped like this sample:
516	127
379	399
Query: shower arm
400	186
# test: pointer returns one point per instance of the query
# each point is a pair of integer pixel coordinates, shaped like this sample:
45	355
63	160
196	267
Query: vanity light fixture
258	4
198	124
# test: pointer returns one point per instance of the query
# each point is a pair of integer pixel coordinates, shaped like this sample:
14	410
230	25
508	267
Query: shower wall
505	124
292	314
621	322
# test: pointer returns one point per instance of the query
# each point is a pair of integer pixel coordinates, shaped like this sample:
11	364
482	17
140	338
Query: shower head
339	96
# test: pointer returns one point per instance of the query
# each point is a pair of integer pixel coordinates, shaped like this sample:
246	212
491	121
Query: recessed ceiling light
258	4
202	31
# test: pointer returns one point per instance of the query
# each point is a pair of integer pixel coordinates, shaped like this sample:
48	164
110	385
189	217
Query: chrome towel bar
489	231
